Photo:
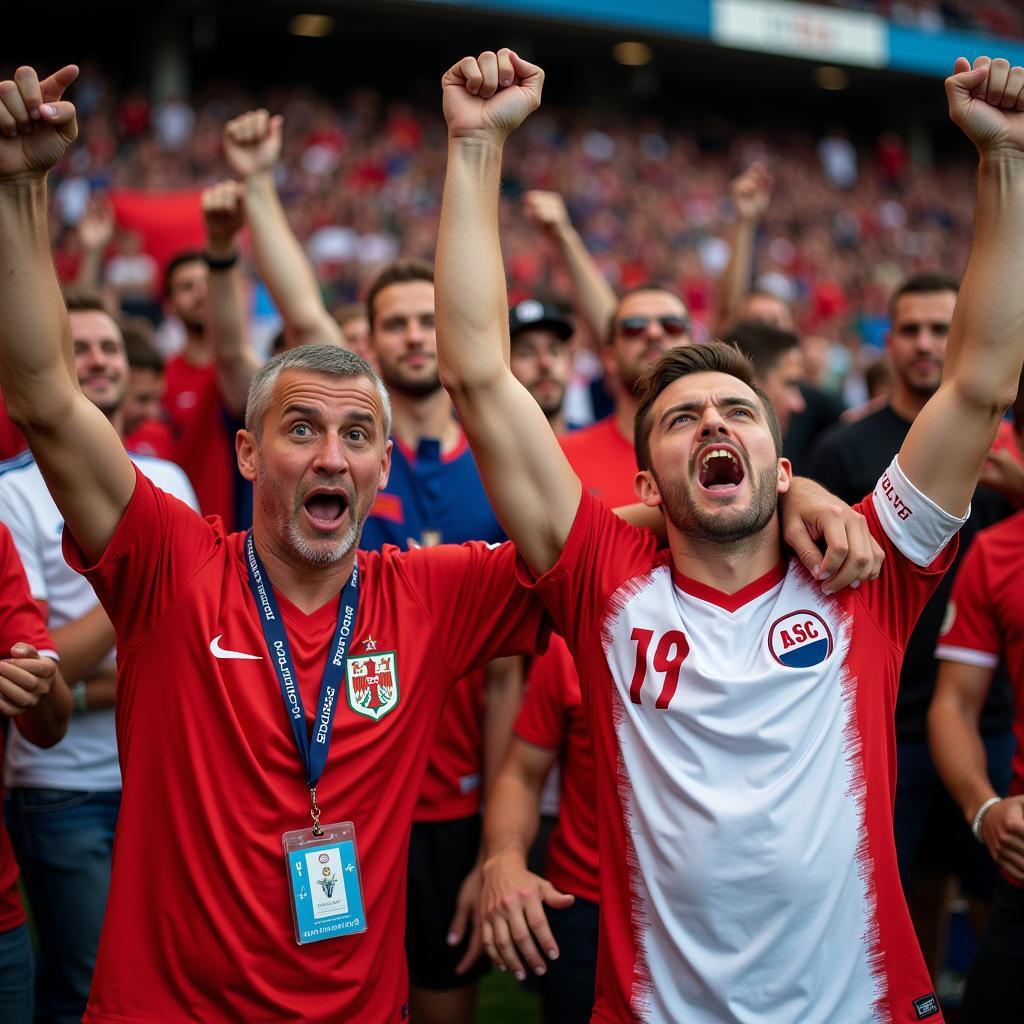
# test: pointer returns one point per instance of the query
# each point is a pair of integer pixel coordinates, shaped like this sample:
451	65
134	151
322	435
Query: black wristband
221	262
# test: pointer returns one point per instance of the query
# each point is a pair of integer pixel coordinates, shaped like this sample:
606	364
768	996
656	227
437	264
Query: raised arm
531	485
592	295
946	447
77	450
224	214
252	144
751	193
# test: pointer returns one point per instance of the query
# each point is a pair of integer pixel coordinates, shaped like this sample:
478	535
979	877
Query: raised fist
37	126
223	215
96	228
987	102
252	142
752	192
489	96
546	210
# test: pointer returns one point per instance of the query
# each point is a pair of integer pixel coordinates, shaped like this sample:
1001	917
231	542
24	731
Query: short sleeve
970	633
21	620
478	609
17	514
157	548
542	717
919	541
600	554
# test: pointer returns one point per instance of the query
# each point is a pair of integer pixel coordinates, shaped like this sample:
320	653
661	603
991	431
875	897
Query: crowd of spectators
996	17
360	180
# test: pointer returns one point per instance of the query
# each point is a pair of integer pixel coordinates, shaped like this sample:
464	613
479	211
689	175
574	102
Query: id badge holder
324	882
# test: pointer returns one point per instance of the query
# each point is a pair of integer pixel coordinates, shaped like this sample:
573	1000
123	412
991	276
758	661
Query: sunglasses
634	326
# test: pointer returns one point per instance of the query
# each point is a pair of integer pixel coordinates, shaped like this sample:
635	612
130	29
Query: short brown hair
82	299
923	284
714	357
138	345
397	272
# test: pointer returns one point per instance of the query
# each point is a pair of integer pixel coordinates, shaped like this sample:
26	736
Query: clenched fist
489	96
37	126
987	102
252	142
223	215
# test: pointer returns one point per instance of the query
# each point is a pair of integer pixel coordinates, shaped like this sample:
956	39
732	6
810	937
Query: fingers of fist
25	100
24	680
249	129
223	198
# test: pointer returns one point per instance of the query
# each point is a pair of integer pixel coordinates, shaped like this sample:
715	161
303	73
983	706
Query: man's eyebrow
733	400
297	409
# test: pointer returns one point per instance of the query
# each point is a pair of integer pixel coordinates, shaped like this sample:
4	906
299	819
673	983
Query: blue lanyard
312	748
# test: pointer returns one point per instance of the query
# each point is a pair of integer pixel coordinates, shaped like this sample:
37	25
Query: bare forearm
284	265
470	291
593	295
90	268
510	822
101	690
47	722
84	643
959	755
36	369
236	362
734	283
504	693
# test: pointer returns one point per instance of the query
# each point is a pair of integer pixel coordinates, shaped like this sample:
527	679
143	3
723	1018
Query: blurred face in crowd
646	325
186	294
100	362
768	309
320	458
917	340
143	398
714	463
782	386
356	334
542	362
403	341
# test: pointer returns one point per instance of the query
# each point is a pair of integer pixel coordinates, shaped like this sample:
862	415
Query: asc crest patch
372	684
800	640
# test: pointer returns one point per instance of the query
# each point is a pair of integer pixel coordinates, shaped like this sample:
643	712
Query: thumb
527	73
458	924
23	650
553	898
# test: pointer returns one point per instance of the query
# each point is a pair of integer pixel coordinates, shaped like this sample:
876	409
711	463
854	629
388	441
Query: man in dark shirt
932	842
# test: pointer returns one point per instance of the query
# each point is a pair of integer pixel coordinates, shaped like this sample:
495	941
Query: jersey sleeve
17	515
472	598
919	540
21	621
970	633
601	553
157	548
542	718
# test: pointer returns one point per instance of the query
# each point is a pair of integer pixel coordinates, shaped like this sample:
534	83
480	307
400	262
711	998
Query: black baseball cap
530	313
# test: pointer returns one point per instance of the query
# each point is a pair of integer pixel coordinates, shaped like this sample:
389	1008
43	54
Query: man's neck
197	351
906	403
727	567
625	415
414	417
308	587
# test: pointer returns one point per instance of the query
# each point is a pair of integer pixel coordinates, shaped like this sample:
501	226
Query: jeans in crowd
63	840
16	976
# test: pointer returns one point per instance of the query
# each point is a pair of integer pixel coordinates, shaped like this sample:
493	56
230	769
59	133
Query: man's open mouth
719	469
326	509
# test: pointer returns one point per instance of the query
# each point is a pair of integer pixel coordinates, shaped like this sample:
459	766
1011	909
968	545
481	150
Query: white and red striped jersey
745	763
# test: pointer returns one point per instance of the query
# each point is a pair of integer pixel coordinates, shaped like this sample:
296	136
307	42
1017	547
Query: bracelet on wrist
220	262
80	704
979	818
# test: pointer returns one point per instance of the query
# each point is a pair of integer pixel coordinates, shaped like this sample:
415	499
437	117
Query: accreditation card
324	882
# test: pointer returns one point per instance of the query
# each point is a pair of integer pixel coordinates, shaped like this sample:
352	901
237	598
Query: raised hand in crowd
252	146
224	216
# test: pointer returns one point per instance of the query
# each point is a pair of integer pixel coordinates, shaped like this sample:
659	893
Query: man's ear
247	451
785	478
647	489
385	465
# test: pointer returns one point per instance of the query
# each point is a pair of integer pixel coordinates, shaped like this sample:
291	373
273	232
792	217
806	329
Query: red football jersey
552	716
20	620
745	769
985	619
604	461
198	924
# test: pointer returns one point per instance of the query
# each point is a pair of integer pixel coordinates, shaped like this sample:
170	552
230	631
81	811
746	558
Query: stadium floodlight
632	54
828	76
312	25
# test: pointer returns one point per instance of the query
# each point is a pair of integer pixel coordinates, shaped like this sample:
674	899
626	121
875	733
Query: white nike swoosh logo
218	652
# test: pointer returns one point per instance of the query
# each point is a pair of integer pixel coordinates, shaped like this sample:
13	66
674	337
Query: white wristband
979	818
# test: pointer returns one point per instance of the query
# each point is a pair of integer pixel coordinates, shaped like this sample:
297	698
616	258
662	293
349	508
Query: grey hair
329	360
